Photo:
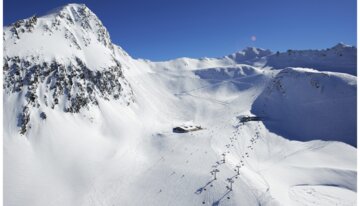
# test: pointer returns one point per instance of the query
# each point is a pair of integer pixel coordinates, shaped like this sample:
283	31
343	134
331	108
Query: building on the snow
186	128
244	119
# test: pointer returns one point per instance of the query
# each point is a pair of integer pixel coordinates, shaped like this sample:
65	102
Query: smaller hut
186	128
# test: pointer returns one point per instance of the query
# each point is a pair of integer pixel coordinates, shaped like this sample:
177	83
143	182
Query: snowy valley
85	124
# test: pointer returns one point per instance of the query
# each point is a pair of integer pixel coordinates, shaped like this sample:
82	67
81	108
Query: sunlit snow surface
112	154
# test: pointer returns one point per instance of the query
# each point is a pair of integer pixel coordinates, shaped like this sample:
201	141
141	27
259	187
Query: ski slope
112	153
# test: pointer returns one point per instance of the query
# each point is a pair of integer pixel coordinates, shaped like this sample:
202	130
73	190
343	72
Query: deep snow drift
80	130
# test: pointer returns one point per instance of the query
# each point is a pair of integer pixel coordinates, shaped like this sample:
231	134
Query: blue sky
166	29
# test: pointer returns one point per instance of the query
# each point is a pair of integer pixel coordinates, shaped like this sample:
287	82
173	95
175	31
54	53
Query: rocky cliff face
64	60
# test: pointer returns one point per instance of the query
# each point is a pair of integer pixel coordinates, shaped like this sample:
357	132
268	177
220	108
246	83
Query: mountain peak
252	49
67	17
249	53
340	45
74	5
74	26
73	12
67	8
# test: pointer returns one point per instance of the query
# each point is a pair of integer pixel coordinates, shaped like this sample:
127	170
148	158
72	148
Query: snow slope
119	149
324	103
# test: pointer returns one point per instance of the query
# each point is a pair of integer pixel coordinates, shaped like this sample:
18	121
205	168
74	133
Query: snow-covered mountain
64	60
328	99
340	58
86	124
250	55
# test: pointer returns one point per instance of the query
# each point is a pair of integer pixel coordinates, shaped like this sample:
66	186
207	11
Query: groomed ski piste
117	153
